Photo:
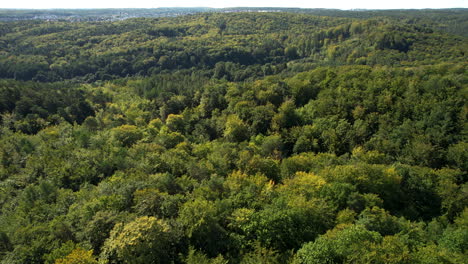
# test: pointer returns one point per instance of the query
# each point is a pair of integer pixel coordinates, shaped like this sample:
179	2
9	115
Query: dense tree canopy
233	138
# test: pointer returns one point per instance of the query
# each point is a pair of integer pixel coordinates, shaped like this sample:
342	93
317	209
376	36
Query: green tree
340	245
143	240
201	221
127	135
236	130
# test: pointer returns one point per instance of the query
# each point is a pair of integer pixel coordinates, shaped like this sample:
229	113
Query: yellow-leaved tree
78	256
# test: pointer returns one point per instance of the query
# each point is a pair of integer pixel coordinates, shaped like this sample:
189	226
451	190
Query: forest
235	137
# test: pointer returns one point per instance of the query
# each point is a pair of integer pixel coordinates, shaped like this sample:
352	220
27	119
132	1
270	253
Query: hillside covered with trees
276	137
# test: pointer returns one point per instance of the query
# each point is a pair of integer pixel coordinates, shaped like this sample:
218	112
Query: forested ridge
235	138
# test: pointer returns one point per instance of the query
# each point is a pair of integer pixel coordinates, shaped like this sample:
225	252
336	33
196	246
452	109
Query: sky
338	4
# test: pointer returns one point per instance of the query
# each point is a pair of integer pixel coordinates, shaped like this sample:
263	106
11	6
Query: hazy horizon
208	7
332	4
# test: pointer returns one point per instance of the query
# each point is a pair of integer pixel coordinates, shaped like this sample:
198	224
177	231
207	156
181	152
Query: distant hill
58	50
453	20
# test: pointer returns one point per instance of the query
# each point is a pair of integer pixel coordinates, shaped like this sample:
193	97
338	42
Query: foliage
78	256
234	138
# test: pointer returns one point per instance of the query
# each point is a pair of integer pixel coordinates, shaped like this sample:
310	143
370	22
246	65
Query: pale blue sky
339	4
